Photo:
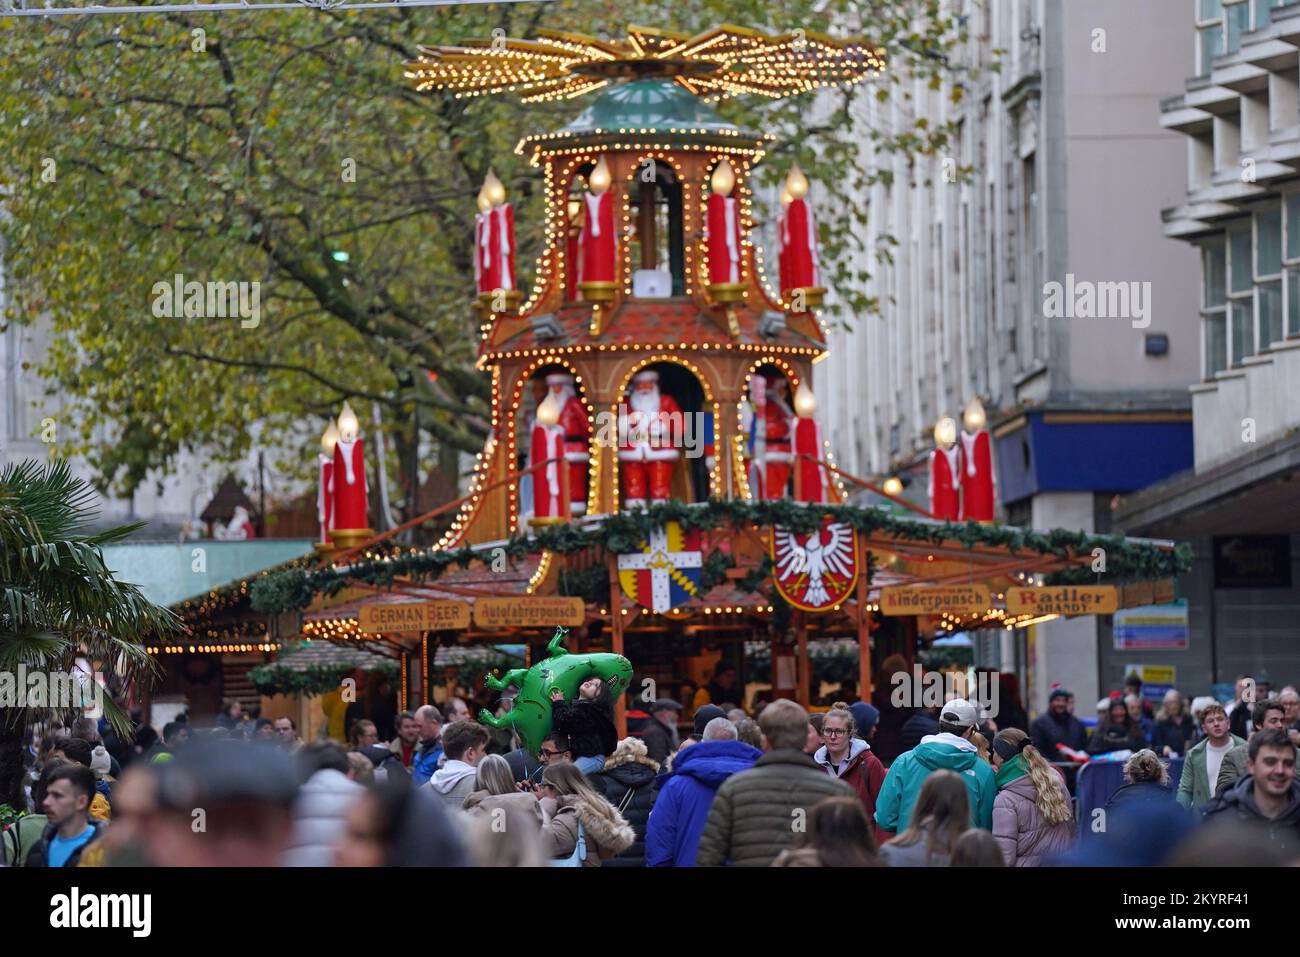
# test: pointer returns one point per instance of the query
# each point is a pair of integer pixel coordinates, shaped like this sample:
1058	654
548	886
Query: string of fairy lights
727	61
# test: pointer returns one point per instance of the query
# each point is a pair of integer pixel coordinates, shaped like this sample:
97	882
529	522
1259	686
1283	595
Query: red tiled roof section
642	322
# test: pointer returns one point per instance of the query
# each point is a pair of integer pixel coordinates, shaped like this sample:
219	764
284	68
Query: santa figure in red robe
577	448
778	435
650	441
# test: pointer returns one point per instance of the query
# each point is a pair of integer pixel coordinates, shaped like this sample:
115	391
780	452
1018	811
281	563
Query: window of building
1291	260
1220	25
1214	302
1268	275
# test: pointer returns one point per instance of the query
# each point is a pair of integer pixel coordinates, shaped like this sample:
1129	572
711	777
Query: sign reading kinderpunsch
536	612
920	600
388	617
1063	600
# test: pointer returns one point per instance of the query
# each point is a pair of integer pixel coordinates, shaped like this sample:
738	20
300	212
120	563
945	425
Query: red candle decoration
945	472
351	506
547	446
495	238
799	237
598	241
977	455
808	448
325	494
723	237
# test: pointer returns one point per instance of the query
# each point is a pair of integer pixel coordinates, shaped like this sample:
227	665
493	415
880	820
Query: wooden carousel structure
655	477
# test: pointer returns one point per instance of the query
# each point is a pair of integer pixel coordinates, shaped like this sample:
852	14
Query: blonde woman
582	828
1032	816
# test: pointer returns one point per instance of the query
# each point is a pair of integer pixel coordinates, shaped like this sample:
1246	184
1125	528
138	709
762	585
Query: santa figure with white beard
577	450
650	443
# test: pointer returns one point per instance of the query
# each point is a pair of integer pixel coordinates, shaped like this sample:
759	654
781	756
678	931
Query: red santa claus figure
778	433
597	243
351	504
325	494
945	471
574	425
650	440
977	456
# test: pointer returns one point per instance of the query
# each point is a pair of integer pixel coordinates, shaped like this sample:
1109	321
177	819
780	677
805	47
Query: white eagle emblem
817	570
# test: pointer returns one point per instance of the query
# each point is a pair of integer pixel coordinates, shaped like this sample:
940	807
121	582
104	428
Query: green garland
276	678
621	533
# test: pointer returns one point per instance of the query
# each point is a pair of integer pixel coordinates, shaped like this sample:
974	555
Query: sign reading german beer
1063	600
388	617
534	612
922	600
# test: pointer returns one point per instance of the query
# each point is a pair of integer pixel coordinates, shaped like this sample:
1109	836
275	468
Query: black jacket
1179	737
658	738
630	788
1047	733
39	856
1238	804
589	728
1117	737
917	727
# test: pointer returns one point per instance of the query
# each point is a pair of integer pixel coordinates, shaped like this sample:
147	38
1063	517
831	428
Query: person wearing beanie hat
1057	726
703	716
865	718
951	749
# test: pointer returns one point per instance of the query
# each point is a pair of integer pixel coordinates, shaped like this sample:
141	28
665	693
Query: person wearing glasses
849	758
581	826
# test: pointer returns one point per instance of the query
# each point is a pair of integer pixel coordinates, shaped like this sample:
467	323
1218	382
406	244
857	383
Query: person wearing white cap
951	749
650	441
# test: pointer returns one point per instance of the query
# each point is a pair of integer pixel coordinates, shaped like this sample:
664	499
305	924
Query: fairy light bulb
329	438
494	189
805	404
600	178
945	433
723	180
349	427
796	182
893	485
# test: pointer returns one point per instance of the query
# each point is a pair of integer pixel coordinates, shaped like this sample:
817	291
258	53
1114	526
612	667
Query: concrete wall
1123	169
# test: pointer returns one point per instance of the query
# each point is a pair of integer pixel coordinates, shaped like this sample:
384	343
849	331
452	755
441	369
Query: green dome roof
656	104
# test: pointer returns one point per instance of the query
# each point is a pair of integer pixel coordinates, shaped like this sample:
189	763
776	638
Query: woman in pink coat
1032	816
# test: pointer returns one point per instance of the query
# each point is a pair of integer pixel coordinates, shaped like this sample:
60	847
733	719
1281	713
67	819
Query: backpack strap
627	800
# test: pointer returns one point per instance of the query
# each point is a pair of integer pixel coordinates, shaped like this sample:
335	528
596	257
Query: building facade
1031	270
1239	115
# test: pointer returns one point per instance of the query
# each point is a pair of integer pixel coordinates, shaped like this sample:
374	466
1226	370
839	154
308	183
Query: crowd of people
779	787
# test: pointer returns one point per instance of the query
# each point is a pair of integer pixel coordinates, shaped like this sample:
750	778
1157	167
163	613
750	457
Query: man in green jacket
1202	764
756	814
951	749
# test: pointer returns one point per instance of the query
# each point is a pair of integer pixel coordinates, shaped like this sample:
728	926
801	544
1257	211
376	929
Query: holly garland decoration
278	678
297	586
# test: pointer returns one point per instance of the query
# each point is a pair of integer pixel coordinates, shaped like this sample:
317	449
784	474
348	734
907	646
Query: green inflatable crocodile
530	715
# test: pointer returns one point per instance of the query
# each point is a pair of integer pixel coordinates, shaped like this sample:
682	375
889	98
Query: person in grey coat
322	807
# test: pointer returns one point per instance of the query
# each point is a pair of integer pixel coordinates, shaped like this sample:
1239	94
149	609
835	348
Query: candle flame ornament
722	239
348	480
977	496
945	471
598	242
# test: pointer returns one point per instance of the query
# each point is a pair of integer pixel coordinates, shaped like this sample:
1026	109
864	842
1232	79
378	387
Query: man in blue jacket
950	749
429	721
680	812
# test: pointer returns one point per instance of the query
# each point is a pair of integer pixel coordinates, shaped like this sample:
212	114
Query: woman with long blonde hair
1033	818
